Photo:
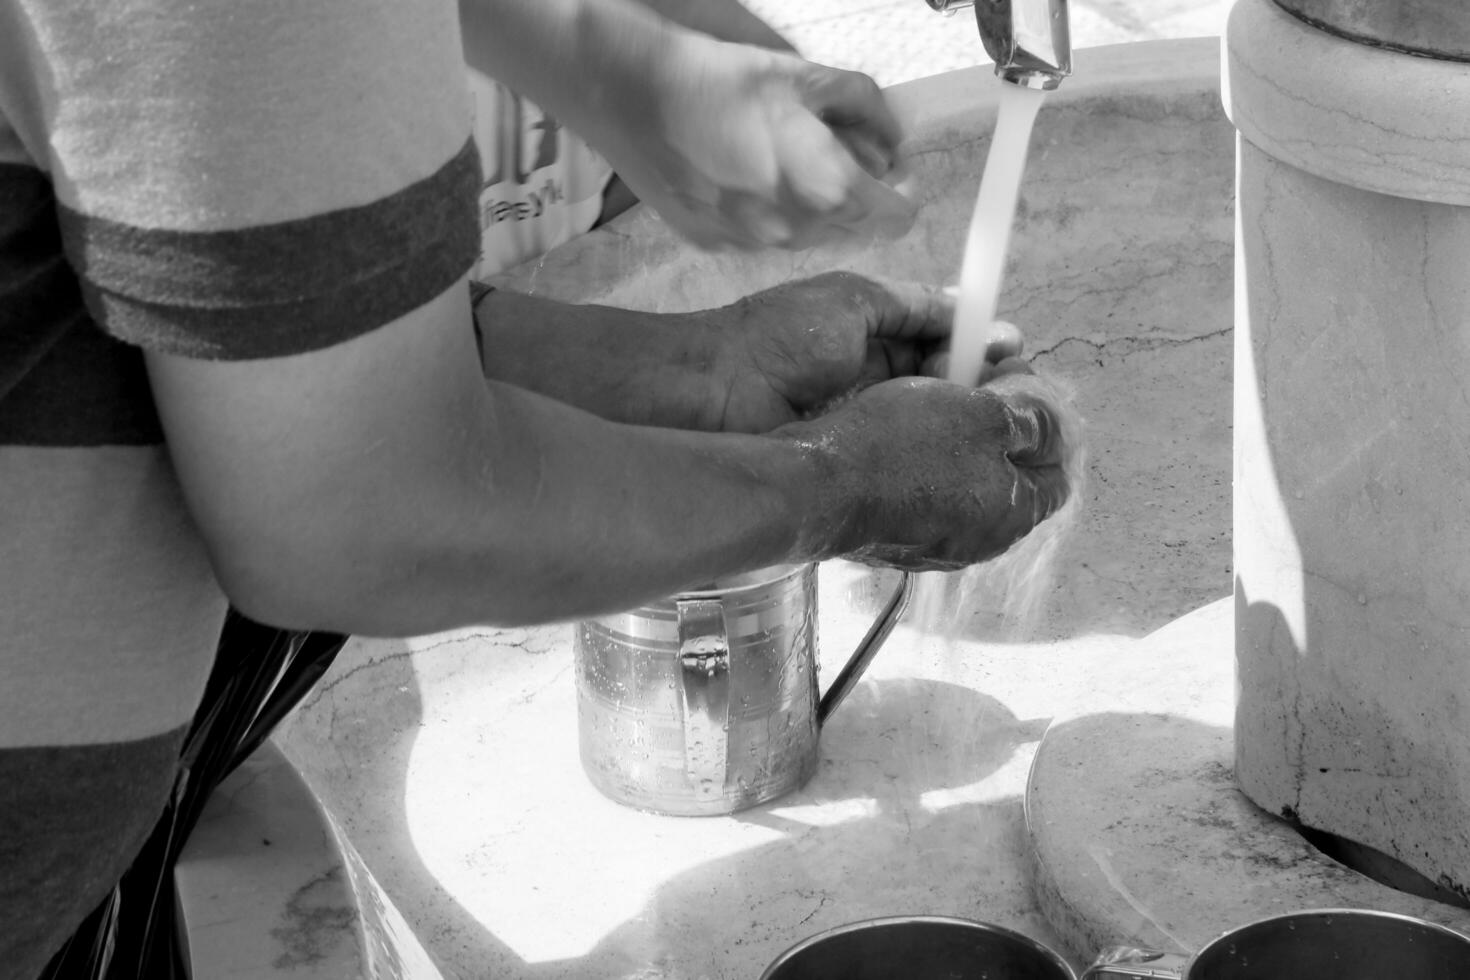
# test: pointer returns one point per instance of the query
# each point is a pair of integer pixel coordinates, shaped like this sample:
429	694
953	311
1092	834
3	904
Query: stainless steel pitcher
707	703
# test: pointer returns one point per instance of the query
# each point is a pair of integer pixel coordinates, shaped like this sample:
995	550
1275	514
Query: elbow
367	587
291	591
357	588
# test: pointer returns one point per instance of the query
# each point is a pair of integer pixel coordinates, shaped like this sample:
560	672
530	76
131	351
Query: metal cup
919	948
1322	944
707	703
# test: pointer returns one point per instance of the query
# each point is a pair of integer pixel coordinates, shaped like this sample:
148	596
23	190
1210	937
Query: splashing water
1014	587
1022	578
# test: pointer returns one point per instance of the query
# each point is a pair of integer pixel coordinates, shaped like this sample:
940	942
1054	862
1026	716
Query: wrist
826	503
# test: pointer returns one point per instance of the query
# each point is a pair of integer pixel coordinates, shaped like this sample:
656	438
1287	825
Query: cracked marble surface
449	762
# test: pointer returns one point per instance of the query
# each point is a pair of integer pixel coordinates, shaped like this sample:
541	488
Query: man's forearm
638	368
575	517
528	511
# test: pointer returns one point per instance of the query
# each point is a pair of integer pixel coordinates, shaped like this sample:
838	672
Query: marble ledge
269	888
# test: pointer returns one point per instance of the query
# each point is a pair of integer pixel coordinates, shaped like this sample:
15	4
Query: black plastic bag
260	673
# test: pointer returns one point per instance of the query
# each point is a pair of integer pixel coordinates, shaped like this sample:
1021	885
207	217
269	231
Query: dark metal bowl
1335	944
919	948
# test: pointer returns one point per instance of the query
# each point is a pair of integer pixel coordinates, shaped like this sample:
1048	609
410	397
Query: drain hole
1373	863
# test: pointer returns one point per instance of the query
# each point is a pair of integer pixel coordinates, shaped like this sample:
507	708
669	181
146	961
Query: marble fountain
424	812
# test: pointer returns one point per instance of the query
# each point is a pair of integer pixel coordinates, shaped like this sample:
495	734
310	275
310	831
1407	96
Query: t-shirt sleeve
257	178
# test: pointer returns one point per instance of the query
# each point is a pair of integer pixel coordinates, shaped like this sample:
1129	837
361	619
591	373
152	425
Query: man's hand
747	147
933	475
791	350
766	360
734	144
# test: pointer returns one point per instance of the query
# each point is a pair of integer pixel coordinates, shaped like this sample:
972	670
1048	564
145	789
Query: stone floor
898	40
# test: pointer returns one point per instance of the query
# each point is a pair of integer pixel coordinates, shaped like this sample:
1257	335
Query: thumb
826	179
853	101
1035	435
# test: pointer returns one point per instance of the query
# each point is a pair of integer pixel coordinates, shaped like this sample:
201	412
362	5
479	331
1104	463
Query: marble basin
448	764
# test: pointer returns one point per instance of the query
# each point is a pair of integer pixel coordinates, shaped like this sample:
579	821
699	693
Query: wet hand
791	350
931	475
747	147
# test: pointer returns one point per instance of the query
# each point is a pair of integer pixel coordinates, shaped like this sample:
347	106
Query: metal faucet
1028	40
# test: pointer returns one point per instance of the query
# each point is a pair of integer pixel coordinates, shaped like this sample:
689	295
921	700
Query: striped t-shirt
221	179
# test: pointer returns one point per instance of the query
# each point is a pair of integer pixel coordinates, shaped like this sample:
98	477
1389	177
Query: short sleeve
255	178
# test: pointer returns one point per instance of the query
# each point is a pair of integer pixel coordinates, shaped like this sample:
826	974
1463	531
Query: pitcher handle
704	673
1132	963
851	671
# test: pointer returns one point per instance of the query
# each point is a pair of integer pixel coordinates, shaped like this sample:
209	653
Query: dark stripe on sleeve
286	288
71	820
62	381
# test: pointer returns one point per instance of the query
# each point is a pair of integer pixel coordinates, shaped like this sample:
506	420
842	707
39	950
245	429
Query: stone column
1352	420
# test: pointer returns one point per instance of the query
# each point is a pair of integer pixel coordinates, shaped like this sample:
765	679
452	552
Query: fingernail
1031	433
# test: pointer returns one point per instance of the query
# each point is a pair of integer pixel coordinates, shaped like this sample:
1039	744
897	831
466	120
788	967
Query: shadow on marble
899	819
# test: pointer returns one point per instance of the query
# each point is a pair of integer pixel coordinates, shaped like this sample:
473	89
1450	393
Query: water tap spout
1029	40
